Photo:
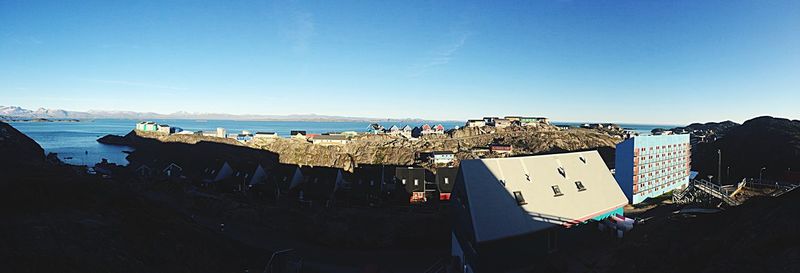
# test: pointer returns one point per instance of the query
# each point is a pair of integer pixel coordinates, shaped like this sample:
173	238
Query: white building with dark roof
330	140
509	210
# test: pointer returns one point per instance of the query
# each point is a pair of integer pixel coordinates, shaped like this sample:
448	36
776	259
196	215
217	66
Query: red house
499	148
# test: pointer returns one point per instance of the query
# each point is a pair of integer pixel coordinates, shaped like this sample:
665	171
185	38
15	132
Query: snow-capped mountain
15	111
19	112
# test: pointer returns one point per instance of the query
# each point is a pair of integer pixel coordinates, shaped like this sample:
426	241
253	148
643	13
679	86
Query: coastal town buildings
300	135
207	133
533	120
501	148
164	129
602	126
375	129
243	137
508	211
426	129
216	171
445	178
265	135
476	123
438	129
490	121
443	157
649	166
172	170
502	123
330	140
367	182
413	180
147	126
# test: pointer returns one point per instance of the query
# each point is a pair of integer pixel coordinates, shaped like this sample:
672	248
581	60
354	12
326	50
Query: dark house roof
410	174
450	174
318	182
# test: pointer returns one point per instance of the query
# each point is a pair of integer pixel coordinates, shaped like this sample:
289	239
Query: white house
443	157
330	140
265	135
476	123
507	206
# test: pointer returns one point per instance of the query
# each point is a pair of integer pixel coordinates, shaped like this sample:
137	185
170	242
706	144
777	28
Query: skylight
580	186
520	199
556	191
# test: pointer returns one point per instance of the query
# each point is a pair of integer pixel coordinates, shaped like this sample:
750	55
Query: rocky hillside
710	126
373	149
18	150
384	149
768	142
759	236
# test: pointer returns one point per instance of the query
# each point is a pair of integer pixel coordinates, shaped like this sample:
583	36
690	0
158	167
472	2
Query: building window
404	181
416	182
556	191
446	180
520	199
580	186
583	159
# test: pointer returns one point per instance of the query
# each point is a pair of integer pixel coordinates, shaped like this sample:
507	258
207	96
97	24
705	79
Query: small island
21	119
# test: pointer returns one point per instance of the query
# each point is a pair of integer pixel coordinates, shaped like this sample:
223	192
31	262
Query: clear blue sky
669	62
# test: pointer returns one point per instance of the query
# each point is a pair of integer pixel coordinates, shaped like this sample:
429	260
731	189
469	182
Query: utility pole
719	166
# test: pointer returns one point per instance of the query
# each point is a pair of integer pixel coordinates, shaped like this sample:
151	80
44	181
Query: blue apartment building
649	166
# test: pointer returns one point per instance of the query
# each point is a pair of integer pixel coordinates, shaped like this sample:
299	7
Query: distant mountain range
8	112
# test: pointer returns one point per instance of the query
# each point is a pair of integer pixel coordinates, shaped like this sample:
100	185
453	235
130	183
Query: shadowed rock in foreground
54	219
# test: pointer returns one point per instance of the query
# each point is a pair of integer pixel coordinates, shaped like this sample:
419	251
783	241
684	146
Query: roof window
583	159
520	199
562	172
580	186
556	191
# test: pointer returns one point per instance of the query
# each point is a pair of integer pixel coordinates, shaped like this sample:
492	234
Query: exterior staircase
715	191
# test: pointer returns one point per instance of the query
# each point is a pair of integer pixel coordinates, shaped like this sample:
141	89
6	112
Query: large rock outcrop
392	150
18	151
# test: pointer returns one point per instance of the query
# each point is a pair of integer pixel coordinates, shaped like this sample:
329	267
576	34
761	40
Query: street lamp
728	173
760	172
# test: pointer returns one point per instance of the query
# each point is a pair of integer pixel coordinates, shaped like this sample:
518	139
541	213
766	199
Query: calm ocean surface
76	142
